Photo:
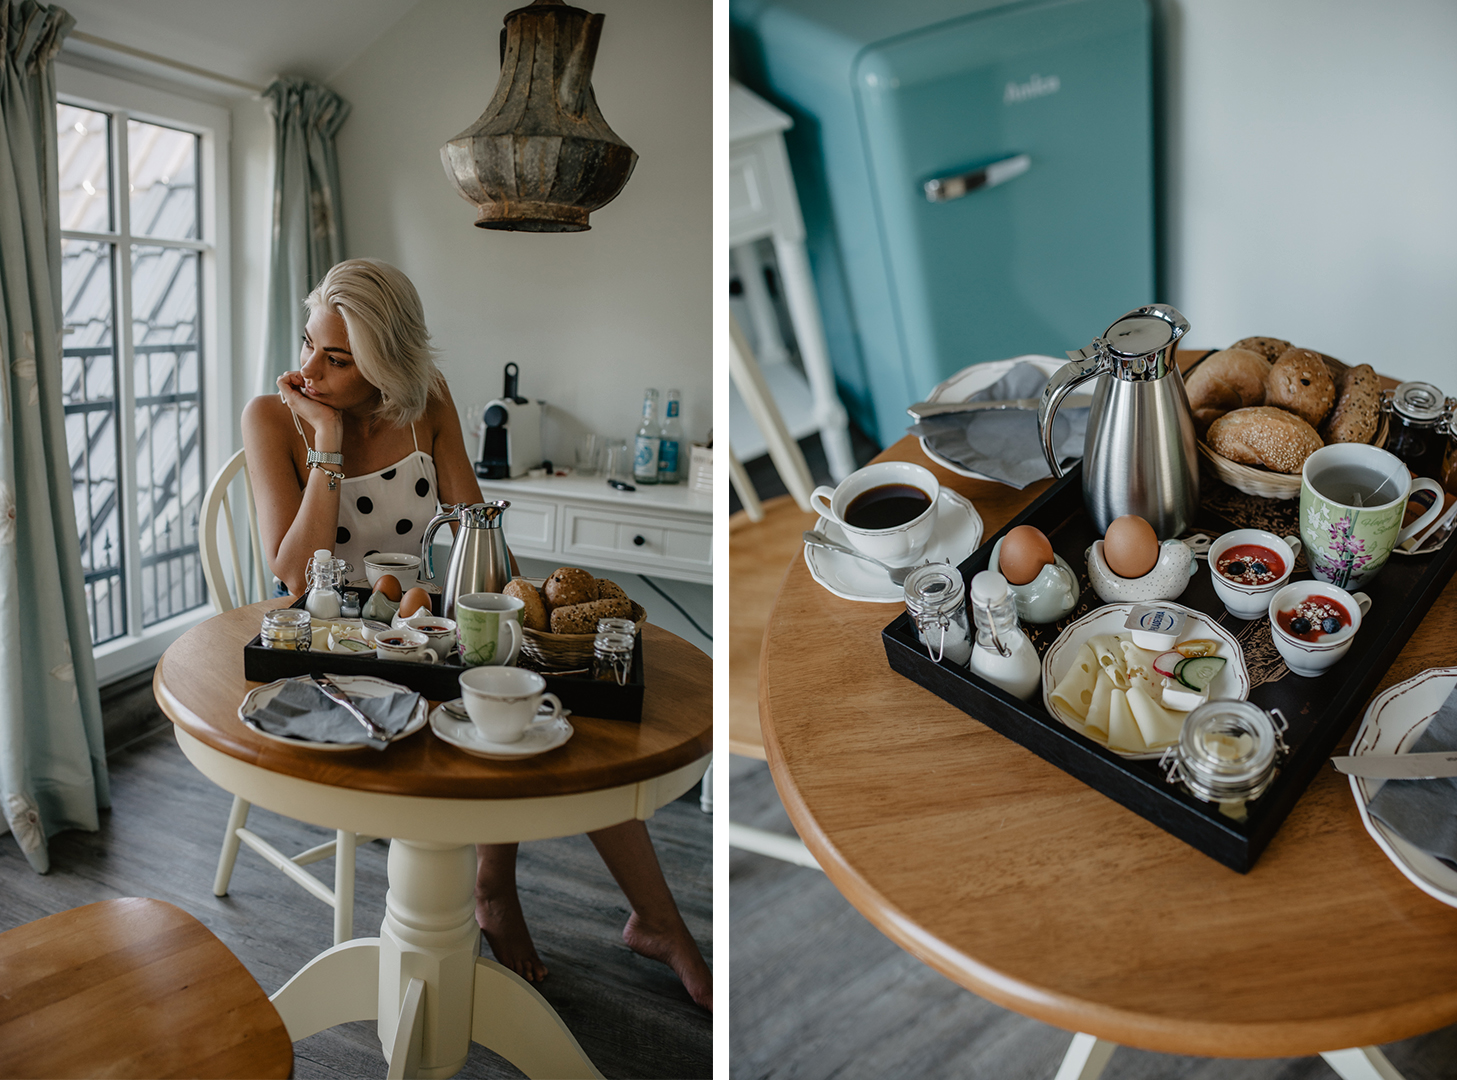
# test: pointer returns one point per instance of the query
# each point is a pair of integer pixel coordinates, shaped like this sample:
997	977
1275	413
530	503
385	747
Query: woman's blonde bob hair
387	336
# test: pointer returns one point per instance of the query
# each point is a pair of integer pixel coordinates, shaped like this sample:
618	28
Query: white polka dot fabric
386	510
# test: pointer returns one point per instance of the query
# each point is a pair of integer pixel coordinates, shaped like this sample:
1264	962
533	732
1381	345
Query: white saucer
957	534
1393	722
361	686
972	380
1231	684
539	738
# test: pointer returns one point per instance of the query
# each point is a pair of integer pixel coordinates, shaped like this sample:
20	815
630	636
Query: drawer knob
639	541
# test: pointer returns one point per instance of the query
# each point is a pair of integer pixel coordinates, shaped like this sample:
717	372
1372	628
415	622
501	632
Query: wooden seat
132	987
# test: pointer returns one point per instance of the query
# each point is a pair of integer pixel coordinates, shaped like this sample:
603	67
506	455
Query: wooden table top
1035	891
199	683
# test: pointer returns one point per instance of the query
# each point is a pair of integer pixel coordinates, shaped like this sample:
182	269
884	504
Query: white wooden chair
245	580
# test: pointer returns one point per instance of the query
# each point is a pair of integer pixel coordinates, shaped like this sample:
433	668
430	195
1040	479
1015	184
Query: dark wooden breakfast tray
580	693
1319	710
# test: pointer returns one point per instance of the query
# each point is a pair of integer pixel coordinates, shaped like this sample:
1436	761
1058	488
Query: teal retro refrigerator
976	177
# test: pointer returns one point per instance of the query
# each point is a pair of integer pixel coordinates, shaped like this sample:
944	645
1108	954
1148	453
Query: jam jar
936	602
1418	414
287	628
1227	752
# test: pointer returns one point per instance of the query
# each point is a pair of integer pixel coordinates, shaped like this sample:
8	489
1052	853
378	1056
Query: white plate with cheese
1119	692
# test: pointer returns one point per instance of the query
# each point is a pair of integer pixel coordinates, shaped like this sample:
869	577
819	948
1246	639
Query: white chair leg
1361	1063
763	319
1086	1058
344	886
237	818
744	488
783	450
788	849
705	790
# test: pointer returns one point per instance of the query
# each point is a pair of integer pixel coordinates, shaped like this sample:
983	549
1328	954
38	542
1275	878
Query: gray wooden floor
161	839
817	992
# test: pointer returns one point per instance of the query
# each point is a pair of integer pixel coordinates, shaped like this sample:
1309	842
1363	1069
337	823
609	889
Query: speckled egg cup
1166	581
1050	596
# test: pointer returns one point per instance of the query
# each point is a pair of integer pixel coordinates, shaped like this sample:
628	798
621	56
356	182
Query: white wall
1311	177
591	318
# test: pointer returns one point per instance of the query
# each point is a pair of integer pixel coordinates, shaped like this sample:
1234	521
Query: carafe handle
427	548
1084	364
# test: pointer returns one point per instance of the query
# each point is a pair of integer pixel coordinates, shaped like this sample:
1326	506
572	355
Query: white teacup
502	702
1312	658
490	628
442	634
402	643
898	545
1251	601
405	568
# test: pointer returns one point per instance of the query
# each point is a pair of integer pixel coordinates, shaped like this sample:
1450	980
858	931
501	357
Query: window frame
124	100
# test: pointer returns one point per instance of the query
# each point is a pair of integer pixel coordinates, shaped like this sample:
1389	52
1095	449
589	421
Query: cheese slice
1075	692
1138	660
1158	726
1101	706
1109	655
1123	733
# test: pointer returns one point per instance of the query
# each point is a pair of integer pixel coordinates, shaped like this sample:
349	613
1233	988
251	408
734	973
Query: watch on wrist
317	457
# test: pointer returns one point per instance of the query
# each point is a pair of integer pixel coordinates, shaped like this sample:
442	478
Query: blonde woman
354	454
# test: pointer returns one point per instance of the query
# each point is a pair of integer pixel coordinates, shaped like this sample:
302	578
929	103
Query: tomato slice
1197	647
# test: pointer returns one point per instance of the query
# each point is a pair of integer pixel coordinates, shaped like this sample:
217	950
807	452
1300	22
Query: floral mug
1352	499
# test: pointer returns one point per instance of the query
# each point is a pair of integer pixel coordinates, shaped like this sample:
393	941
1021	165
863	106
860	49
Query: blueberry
1330	624
1300	625
1259	568
1236	567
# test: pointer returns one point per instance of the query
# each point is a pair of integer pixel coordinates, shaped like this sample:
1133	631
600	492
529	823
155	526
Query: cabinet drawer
646	542
530	526
751	206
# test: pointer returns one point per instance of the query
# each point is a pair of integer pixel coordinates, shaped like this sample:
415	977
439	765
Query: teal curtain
307	237
52	761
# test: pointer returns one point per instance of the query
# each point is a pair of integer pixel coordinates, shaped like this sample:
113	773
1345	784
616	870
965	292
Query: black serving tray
580	693
1319	709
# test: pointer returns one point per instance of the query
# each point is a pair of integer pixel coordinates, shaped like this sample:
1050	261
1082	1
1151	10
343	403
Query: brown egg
414	600
390	586
1130	546
1025	551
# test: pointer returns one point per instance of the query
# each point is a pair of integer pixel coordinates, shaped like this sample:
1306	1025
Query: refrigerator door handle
946	188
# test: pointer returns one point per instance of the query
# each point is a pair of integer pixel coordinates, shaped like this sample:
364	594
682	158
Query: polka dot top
386	510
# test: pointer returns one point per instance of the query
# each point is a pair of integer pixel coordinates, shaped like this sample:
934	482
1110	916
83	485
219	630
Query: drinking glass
589	454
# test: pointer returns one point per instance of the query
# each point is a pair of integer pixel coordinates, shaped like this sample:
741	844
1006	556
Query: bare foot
506	934
675	947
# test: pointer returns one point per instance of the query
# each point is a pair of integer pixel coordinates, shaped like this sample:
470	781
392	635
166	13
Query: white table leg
515	1021
1361	1063
335	987
404	1056
1086	1058
705	791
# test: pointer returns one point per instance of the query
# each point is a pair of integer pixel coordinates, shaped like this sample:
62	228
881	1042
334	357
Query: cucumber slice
1197	672
1164	663
1197	647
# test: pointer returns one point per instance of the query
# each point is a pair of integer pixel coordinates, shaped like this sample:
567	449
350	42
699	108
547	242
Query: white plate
1231	684
957	534
1393	722
972	380
362	686
539	738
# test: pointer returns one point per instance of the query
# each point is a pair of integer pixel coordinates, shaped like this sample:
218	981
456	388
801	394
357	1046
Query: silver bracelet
327	458
333	476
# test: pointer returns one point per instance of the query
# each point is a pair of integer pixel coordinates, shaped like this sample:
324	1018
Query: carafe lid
1144	331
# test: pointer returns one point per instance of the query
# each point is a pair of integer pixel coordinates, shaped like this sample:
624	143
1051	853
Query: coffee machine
510	434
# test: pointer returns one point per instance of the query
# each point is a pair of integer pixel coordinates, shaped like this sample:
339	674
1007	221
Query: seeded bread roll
1268	347
1301	383
1225	381
533	615
568	586
608	590
1358	408
1266	436
582	618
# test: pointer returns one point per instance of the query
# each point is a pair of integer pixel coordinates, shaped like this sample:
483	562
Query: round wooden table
421	978
1035	891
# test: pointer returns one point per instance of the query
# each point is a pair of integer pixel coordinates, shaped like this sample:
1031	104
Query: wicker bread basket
1266	483
567	652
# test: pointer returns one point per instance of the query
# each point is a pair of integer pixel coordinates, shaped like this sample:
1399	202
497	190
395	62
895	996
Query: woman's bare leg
498	910
655	929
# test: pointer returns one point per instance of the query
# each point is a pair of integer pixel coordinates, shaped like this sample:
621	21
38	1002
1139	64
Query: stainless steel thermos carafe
479	559
1138	455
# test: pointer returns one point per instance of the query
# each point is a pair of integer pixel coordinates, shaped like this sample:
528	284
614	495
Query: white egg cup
1050	596
1250	601
1313	658
1166	581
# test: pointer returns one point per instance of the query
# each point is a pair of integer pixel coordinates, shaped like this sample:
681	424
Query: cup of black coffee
888	510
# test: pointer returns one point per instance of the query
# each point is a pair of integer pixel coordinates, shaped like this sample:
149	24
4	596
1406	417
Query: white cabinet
662	531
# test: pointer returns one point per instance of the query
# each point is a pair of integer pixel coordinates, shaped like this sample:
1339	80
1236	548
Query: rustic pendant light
541	157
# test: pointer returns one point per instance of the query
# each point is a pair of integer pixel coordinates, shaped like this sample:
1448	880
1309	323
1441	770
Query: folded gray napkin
1424	812
300	710
1005	444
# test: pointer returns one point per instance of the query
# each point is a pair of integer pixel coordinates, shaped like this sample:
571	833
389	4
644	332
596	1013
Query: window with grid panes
132	363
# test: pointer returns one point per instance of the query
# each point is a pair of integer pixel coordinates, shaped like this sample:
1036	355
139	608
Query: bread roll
1266	436
1268	347
1301	383
608	590
1224	381
1358	408
533	615
568	586
582	618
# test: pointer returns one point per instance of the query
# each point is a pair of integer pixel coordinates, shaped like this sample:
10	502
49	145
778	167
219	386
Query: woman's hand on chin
321	417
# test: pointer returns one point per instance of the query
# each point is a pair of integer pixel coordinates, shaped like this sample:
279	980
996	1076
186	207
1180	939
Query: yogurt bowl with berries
1247	566
1313	624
